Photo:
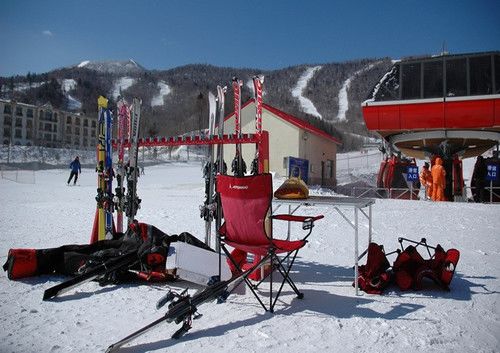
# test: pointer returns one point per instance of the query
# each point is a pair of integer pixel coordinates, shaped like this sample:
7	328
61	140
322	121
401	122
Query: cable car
446	105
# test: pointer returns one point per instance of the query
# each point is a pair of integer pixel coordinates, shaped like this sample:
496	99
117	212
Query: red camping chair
246	203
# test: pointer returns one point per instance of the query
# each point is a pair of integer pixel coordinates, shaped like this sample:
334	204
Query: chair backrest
245	204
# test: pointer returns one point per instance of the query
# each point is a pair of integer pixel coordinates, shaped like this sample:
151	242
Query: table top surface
327	201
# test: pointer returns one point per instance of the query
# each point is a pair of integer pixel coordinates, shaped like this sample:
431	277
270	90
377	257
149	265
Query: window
19	122
29	123
411	81
40	114
7	120
18	134
433	79
480	75
48	115
6	132
55	116
68	120
29	113
77	121
497	74
7	109
85	122
19	111
94	124
456	77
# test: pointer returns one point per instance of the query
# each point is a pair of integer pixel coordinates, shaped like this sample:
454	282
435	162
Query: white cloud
47	33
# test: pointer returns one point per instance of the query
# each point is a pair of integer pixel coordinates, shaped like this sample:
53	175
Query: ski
108	176
220	165
238	166
183	308
132	201
258	82
102	103
124	261
119	199
207	209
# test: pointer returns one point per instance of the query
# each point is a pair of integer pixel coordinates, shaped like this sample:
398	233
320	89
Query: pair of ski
238	166
122	262
183	308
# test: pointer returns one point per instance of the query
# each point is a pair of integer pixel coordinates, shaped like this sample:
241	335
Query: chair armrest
293	218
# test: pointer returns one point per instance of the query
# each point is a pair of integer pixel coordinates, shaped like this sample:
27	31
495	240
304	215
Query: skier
76	168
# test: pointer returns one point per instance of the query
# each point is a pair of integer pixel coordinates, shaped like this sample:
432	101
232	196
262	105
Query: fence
368	160
17	175
491	194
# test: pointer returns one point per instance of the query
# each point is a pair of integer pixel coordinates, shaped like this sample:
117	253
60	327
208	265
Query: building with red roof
289	136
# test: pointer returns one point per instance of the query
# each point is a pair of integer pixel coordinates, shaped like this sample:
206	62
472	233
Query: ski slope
305	103
330	318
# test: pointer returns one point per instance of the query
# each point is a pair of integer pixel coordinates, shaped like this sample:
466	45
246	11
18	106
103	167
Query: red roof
301	124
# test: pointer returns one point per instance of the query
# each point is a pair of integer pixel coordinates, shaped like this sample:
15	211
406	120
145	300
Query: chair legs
277	264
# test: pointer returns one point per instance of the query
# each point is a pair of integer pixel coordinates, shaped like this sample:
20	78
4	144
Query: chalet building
31	125
290	140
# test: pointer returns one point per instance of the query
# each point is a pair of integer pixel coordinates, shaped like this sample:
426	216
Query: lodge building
32	125
290	139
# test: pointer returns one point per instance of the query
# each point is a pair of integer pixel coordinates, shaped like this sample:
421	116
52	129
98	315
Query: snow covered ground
330	318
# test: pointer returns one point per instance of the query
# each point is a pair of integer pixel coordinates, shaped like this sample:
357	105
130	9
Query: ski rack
261	140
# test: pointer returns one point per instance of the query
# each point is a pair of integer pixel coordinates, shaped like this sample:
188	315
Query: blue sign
492	172
298	166
411	173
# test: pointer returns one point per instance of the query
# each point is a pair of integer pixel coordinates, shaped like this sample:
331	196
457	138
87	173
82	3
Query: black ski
220	165
124	261
132	201
208	208
184	307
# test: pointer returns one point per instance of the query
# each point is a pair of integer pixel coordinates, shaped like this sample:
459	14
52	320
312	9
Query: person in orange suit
426	180
438	180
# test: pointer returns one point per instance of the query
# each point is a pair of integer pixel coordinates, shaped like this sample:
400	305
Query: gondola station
445	106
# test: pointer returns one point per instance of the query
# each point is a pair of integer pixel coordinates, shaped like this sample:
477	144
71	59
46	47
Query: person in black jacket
478	181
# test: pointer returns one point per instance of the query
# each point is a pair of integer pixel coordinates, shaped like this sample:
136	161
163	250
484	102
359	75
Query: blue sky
38	36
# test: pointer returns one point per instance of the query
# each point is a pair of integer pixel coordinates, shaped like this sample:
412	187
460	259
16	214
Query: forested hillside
175	100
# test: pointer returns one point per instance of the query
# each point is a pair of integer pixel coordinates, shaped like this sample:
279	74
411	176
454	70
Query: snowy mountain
328	96
113	67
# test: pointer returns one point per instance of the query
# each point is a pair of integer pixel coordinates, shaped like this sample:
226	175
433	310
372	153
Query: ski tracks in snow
342	97
306	104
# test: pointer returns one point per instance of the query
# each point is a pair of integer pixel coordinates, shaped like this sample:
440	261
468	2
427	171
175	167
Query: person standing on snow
426	180
76	168
478	182
438	180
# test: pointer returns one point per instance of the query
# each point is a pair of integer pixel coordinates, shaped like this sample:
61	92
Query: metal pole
491	191
356	254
